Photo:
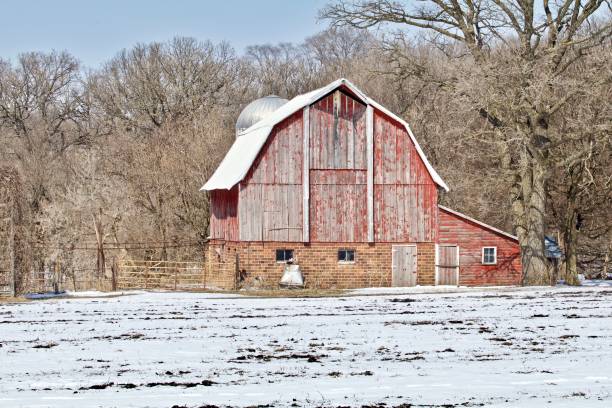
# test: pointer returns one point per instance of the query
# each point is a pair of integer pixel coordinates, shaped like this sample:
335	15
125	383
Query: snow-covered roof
241	156
475	221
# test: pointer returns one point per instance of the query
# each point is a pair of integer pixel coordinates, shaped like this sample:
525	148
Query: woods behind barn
110	160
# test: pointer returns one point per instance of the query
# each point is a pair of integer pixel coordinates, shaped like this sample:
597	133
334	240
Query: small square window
489	255
284	255
346	255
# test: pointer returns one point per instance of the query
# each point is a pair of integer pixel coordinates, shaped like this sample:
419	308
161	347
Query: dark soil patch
206	383
45	345
97	386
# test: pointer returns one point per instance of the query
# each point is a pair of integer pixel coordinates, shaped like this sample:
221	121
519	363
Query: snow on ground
413	290
485	348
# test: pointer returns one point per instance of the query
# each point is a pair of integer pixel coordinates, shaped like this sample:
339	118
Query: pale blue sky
95	30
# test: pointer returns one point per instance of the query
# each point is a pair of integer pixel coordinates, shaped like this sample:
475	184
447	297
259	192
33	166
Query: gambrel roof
244	151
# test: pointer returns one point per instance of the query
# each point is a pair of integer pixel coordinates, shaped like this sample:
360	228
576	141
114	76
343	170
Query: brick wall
319	263
426	271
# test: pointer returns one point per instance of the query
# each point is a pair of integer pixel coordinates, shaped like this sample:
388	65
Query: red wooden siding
338	162
338	206
405	213
471	237
223	214
270	207
337	133
280	161
270	204
405	195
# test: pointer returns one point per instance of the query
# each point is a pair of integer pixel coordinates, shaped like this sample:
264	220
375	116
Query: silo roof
258	110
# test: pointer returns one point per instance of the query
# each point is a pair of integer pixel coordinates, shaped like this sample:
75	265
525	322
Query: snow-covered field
527	348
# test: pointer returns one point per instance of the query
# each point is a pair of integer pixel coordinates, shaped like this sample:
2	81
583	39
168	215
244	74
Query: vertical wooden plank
329	133
414	263
421	210
394	267
413	214
257	212
306	175
457	263
331	206
401	214
350	133
370	170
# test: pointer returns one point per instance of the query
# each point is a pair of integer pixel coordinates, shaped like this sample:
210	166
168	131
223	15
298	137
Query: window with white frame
489	255
346	255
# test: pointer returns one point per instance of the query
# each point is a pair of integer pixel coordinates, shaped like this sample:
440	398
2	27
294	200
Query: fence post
175	275
114	267
146	276
205	268
56	275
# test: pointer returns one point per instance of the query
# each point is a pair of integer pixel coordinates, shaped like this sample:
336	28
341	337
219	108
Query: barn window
489	255
346	255
284	255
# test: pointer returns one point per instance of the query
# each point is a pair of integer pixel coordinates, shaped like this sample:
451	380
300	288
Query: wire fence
125	265
169	275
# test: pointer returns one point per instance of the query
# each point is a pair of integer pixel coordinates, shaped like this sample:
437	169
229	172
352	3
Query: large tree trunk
100	261
604	270
532	203
570	238
571	259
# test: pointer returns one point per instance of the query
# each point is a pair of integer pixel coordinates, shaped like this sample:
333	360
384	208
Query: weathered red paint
471	237
267	206
405	195
224	214
270	199
337	133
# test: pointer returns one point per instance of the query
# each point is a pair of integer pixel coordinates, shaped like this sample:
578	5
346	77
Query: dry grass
278	293
291	293
10	299
264	293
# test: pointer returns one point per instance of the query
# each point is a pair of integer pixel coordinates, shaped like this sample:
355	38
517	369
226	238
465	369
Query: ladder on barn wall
7	251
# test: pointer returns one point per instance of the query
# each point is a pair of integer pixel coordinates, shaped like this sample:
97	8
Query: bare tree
150	85
517	58
284	69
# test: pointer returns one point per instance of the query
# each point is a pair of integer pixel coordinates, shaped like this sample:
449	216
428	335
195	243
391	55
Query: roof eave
475	221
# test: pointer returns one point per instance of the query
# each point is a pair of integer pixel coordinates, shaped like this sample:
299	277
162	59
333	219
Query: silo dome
257	110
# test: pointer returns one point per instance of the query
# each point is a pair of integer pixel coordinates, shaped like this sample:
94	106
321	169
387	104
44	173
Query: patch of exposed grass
11	299
291	293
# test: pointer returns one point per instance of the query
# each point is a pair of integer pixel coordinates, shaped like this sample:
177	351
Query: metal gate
447	265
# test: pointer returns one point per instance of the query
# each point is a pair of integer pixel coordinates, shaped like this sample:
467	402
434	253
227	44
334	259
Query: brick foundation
257	264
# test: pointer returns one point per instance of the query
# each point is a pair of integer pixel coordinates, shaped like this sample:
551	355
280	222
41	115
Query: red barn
339	184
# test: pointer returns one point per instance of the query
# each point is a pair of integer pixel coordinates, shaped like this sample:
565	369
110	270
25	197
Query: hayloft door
404	265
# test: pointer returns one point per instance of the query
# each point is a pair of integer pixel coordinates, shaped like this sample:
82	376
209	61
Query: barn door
404	265
447	267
